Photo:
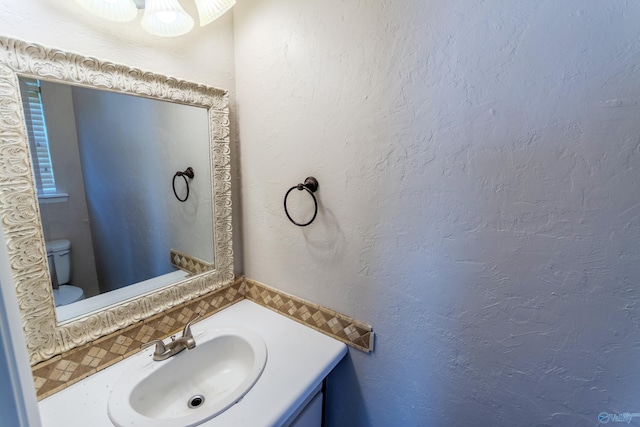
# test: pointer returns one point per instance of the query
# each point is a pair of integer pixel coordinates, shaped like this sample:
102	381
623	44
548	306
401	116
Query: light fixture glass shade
113	10
210	10
166	18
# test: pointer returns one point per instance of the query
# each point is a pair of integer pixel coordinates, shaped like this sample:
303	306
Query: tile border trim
343	328
188	263
63	370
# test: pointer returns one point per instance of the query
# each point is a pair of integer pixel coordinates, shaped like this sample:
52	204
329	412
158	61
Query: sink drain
196	401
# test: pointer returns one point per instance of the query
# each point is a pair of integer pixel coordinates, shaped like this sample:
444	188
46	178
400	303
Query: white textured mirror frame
19	211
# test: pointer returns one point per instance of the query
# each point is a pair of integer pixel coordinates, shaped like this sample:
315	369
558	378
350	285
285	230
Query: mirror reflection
104	164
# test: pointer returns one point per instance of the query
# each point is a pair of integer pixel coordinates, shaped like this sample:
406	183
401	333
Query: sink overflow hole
196	401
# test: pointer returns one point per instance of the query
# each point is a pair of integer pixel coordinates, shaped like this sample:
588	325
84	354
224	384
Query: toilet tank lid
58	245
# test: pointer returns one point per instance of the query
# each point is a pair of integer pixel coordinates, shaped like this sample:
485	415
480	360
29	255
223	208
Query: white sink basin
212	377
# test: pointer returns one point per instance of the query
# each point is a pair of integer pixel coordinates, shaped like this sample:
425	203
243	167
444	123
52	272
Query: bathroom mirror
20	211
103	163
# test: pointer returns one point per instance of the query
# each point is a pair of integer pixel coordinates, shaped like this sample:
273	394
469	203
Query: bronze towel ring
187	173
311	185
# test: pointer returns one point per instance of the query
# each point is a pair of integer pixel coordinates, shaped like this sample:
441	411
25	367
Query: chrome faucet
164	351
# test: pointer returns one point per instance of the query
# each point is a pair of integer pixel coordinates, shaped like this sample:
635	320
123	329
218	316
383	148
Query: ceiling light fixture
164	18
210	10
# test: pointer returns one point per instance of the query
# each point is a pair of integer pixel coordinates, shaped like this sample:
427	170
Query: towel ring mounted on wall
187	173
311	185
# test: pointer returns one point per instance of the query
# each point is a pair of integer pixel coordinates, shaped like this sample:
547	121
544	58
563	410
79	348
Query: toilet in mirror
59	255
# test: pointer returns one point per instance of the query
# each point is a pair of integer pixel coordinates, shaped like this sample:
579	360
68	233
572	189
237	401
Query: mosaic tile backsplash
189	263
75	365
327	321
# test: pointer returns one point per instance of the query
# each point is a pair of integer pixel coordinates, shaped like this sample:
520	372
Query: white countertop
298	359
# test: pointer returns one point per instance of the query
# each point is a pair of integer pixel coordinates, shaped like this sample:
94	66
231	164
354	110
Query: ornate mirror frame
20	214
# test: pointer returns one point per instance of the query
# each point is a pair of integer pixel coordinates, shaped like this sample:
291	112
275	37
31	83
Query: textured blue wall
479	198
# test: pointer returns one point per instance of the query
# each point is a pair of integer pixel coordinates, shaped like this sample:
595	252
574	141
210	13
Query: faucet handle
160	347
186	333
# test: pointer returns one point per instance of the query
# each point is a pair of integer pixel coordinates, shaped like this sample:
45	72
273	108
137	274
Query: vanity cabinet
309	414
